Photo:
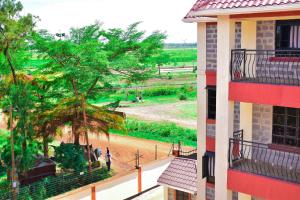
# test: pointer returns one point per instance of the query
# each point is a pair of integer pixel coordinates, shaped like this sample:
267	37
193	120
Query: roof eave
199	19
259	9
179	189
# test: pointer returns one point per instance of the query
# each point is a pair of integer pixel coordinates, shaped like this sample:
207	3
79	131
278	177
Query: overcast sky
164	15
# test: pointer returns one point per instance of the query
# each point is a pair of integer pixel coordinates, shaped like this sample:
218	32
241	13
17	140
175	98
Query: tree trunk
86	134
46	146
75	132
8	58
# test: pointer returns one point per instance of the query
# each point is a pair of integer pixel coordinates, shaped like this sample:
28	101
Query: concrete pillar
248	41
166	193
243	196
201	108
246	116
225	108
139	179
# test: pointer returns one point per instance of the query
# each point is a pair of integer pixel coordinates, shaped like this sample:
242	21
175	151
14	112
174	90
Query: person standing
108	159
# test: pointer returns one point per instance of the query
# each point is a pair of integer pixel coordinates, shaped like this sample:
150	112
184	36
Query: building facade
248	99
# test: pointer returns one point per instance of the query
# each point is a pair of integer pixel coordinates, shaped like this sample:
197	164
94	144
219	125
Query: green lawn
160	131
181	56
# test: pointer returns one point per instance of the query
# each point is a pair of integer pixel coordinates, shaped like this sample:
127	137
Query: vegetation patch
160	131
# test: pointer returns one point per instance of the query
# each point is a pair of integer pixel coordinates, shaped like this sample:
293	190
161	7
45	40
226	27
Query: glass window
182	195
288	36
211	102
286	126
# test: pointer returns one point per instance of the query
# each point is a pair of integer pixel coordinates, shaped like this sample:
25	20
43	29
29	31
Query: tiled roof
181	174
231	4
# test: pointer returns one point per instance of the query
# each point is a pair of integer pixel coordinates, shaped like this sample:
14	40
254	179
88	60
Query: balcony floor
266	169
266	80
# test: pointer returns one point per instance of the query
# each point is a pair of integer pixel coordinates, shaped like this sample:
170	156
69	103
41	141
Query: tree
85	63
14	30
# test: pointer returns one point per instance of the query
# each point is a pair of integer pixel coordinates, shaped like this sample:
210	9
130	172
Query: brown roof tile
181	174
230	4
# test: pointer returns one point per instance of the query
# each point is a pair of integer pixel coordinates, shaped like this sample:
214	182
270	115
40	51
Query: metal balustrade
266	66
265	160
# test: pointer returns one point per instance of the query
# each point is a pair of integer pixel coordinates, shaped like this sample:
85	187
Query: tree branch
92	87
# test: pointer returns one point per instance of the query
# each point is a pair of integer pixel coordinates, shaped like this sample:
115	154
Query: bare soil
160	113
124	149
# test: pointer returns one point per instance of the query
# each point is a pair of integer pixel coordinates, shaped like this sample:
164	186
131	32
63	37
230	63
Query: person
98	152
108	159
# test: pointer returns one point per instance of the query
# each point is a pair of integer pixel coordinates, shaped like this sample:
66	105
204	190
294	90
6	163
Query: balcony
265	160
280	67
265	77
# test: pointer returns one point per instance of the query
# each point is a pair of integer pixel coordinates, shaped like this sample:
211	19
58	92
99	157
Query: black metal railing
263	159
192	154
266	66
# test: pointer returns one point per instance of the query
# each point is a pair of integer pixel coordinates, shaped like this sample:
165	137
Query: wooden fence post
93	189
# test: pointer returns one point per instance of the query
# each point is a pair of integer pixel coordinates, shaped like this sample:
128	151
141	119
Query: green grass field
181	56
160	131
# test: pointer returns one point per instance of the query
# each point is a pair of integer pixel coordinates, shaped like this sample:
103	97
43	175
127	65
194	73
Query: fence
264	160
52	186
123	187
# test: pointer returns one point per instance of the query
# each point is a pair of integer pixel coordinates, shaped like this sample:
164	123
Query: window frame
294	22
211	102
285	125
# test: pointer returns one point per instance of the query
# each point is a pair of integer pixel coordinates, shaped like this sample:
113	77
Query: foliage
180	56
24	158
161	131
182	97
70	156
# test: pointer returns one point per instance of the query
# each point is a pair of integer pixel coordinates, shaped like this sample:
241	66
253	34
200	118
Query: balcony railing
263	159
266	66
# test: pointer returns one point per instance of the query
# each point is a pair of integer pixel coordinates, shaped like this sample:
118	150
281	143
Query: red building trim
211	77
262	187
210	121
210	144
210	185
211	23
277	95
267	14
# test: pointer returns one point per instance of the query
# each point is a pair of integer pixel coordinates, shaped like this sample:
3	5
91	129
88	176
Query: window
288	35
208	166
286	126
211	102
182	195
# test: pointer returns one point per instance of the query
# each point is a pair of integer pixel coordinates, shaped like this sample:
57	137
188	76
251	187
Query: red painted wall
210	144
278	95
211	77
263	187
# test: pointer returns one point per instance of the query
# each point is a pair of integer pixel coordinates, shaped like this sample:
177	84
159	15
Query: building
248	99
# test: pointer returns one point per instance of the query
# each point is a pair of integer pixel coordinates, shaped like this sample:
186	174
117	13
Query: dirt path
124	148
160	112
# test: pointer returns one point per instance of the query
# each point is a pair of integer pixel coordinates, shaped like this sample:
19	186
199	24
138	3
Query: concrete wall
265	38
262	123
211	130
211	46
155	194
210	193
125	186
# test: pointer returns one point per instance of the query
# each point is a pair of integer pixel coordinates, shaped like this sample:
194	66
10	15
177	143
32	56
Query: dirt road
161	112
124	148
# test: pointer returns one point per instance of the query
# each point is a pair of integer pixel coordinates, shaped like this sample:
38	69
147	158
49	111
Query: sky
164	15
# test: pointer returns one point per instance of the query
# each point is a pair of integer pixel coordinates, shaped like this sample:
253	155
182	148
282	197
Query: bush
182	97
166	131
70	156
160	91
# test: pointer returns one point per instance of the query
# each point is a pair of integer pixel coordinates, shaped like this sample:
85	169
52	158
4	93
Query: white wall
124	187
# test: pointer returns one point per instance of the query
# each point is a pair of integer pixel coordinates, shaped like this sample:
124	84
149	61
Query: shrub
182	97
160	91
70	156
